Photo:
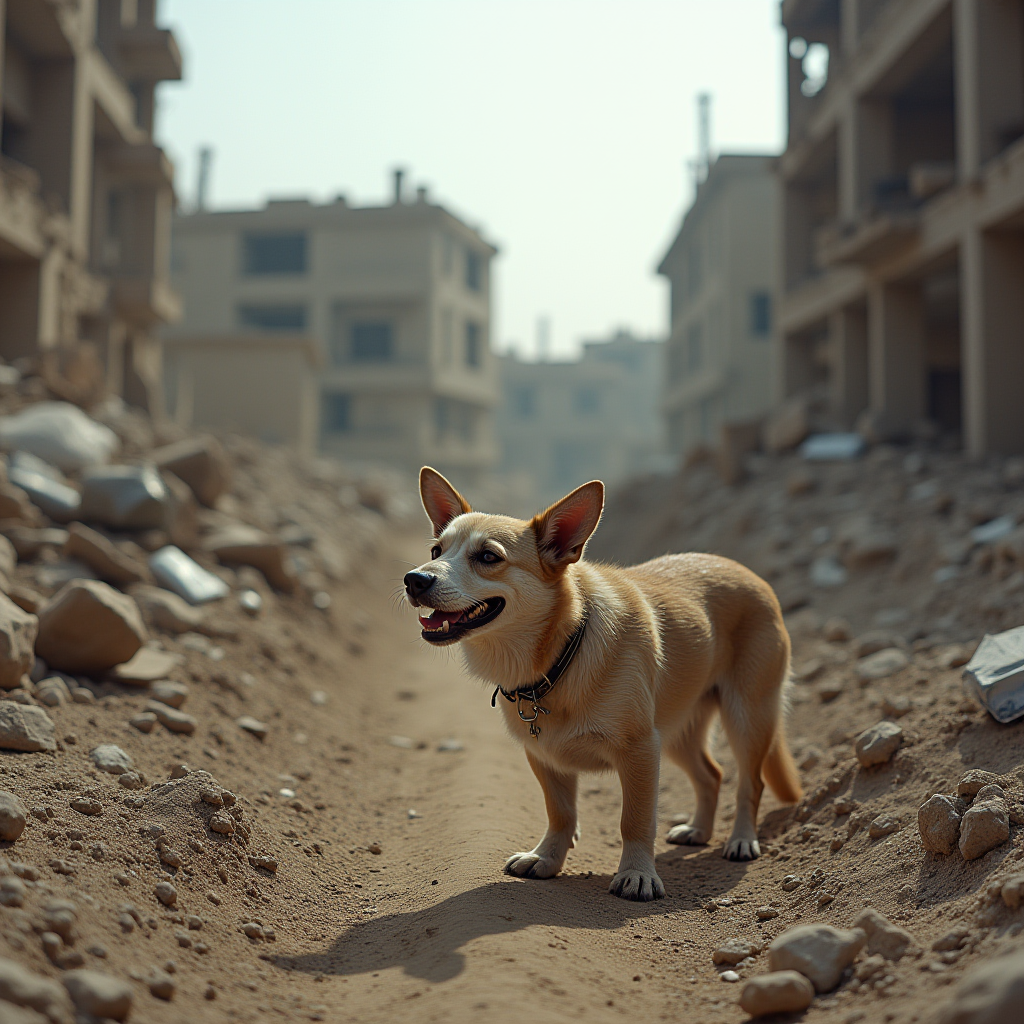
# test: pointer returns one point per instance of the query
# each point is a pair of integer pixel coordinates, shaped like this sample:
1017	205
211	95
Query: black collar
536	691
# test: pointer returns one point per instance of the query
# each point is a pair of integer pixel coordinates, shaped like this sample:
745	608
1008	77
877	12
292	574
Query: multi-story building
721	273
396	298
562	424
903	214
85	196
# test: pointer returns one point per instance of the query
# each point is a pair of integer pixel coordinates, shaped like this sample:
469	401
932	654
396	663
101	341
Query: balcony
867	241
146	301
144	163
22	213
148	54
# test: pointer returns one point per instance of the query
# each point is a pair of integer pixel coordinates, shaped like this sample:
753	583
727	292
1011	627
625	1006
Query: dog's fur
668	643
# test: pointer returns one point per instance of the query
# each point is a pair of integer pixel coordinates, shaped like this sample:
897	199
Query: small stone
253	726
778	992
883	825
12	891
732	951
878	744
730	976
836	630
766	913
973	781
112	759
791	882
829	690
818	951
895	706
1012	892
95	994
265	862
168	692
144	721
87	805
26	728
992	993
375	848
210	992
62	867
990	792
882	664
83	695
222	823
184	939
131	780
161	984
453	746
171	857
938	821
179	771
984	827
166	893
172	719
883	937
12	817
194	921
810	758
213	797
252	930
954	939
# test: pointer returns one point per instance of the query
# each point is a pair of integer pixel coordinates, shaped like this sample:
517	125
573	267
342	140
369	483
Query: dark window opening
586	401
372	342
272	318
337	413
279	253
761	314
474	345
474	271
524	401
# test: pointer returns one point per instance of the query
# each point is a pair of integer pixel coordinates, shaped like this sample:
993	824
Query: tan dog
660	648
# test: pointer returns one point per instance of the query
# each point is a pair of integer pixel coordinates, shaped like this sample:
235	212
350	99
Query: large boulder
201	463
817	951
18	631
88	627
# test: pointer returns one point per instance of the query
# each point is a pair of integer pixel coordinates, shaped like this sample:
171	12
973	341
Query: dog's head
491	575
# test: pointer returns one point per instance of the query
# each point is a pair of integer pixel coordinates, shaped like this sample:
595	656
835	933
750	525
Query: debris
20	986
938	821
23	727
832	447
166	893
201	463
992	993
125	497
818	951
995	675
984	826
171	718
109	562
167	611
95	994
778	992
243	545
877	745
58	433
882	664
168	692
12	817
253	726
732	951
112	759
883	937
17	641
187	578
146	666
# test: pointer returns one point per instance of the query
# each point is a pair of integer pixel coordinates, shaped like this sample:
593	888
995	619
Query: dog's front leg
638	767
545	860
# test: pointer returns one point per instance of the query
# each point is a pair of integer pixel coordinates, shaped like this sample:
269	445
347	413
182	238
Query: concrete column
992	341
848	336
897	382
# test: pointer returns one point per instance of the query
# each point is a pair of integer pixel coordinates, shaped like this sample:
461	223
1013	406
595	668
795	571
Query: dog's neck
525	657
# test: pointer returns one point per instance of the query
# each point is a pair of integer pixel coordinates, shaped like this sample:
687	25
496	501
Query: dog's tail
780	772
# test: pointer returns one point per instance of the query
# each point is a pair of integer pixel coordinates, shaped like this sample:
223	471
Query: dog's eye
435	552
489	557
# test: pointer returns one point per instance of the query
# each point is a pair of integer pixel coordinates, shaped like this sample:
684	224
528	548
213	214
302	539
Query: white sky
562	128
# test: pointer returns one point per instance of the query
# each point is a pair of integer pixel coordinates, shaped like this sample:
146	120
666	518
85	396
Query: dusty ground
428	928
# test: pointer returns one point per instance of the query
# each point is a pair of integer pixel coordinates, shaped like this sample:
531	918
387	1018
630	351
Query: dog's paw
742	849
531	865
641	886
687	835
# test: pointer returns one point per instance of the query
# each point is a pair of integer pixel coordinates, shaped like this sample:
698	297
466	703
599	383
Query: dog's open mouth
443	627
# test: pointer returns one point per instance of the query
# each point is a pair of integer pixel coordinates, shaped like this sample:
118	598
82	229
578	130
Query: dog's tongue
436	618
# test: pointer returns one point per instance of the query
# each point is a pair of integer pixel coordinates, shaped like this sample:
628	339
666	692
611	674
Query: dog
601	668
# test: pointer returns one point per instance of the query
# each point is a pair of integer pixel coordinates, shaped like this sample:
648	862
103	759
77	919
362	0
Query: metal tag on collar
537	712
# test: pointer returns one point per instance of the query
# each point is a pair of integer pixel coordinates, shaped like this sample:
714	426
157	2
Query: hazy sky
562	128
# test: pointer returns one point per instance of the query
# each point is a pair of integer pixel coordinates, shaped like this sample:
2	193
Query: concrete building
397	300
721	271
903	213
85	196
562	424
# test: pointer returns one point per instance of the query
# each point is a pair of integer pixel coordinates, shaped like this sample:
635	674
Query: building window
524	401
760	314
372	342
586	401
285	317
474	271
694	347
447	337
277	253
336	410
474	345
454	419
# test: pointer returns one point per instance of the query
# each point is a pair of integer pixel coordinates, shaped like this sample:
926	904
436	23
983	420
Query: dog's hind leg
545	860
689	750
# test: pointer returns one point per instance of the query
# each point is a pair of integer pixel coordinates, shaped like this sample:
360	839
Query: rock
778	992
12	891
766	913
730	976
58	433
253	725
83	695
27	599
87	805
110	563
826	572
147	665
836	630
938	821
144	721
53	497
876	640
954	939
161	984
187	578
87	627
895	706
883	825
818	951
972	782
29	541
20	986
268	863
1012	892
53	692
878	744
791	883
810	758
222	823
992	993
98	995
985	826
201	463
12	816
168	692
17	641
8	557
244	545
870	548
829	690
171	718
111	759
24	727
166	893
732	951
125	497
167	611
130	780
882	664
883	937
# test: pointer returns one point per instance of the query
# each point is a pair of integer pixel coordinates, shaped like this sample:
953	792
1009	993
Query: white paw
641	886
531	865
742	849
687	835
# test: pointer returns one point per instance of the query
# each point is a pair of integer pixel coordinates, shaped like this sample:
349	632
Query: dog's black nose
418	583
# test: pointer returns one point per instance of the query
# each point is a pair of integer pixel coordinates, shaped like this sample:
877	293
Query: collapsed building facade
903	217
86	197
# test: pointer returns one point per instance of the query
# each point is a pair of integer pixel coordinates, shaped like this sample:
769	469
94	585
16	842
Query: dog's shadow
427	943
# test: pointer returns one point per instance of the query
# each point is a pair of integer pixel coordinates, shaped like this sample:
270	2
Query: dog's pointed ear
563	530
440	500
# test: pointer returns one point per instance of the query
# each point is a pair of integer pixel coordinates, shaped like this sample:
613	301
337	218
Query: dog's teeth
427	612
444	628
